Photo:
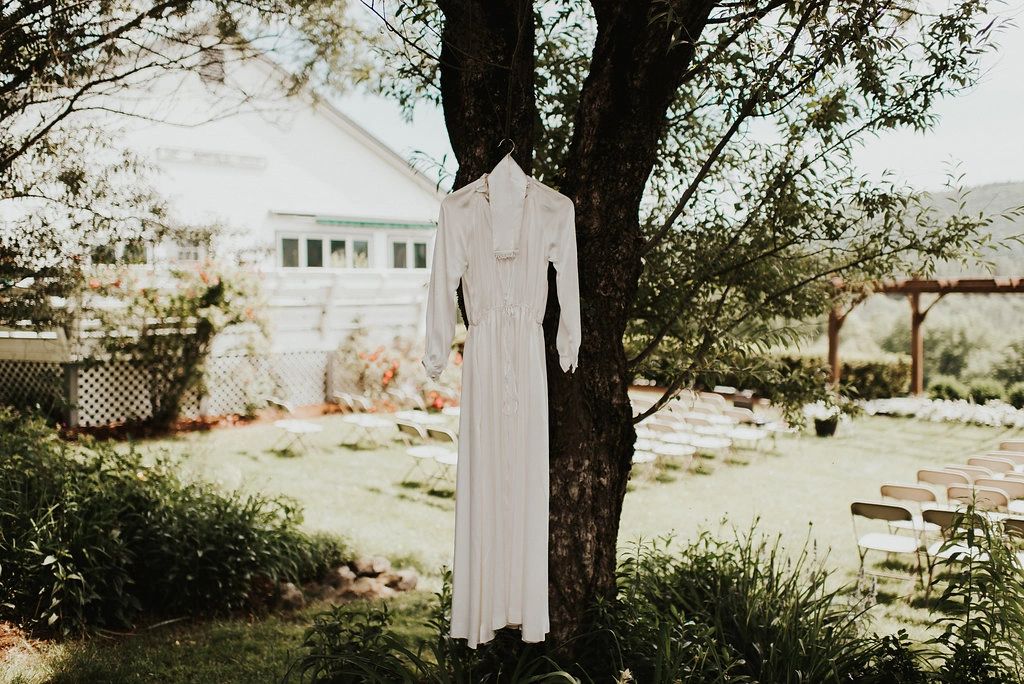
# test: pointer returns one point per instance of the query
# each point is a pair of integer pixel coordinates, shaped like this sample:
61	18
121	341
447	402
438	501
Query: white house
342	227
335	212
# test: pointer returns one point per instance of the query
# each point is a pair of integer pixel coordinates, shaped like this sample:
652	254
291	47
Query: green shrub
1015	395
354	644
983	603
752	613
1010	368
983	390
862	378
876	378
947	387
714	612
92	536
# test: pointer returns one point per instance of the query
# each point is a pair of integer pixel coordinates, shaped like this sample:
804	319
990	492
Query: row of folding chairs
994	482
704	431
355	403
935	547
434	451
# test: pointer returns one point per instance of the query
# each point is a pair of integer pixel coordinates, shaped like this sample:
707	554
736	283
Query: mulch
120	431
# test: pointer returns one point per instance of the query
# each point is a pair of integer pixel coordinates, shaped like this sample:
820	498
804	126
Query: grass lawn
359	494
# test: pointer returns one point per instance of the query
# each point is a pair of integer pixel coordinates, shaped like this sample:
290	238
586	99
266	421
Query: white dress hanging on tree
498	234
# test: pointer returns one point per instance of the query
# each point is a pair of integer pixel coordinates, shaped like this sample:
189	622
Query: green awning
369	223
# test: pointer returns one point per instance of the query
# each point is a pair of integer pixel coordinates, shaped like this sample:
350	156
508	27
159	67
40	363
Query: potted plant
826	418
827	413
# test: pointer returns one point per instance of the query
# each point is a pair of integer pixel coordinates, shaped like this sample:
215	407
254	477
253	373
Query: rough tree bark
636	69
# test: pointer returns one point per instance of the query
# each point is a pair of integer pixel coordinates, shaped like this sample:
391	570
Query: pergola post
835	324
916	345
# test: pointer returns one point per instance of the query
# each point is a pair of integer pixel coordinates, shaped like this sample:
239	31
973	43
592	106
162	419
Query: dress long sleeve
449	263
563	256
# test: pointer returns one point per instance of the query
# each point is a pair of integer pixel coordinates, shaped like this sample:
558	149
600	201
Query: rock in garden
402	580
381	565
316	590
370	588
409	579
291	597
340	577
363	566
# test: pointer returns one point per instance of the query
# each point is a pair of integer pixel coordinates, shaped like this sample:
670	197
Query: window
290	252
360	253
104	254
324	251
135	252
408	253
398	254
339	254
314	253
189	250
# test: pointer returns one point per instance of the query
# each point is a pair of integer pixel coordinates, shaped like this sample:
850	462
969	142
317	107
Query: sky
979	134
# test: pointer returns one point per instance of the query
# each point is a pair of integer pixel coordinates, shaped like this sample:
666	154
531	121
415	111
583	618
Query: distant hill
993	199
966	336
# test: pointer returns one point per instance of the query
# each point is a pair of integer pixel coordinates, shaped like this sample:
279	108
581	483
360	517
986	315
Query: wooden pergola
914	288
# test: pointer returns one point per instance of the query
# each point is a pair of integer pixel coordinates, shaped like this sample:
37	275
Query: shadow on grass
702	469
359	446
285	452
243	650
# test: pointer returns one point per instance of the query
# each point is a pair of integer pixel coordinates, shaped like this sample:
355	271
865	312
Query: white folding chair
993	463
915	497
984	498
1015	457
446	462
972	472
1013	488
940	479
293	430
884	542
944	549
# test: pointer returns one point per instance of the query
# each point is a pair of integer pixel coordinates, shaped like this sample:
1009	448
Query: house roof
350	126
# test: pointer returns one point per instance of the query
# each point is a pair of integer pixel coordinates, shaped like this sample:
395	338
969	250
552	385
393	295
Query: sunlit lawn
359	494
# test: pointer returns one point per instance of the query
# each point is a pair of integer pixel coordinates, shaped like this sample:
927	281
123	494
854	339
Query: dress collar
507	211
482	185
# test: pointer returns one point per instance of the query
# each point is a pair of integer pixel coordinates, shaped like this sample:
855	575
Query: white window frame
325	237
410	242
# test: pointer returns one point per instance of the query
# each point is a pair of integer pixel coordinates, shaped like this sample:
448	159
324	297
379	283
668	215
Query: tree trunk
635	72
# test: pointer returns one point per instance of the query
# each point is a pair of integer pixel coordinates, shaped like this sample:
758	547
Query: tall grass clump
738	610
982	602
94	536
354	644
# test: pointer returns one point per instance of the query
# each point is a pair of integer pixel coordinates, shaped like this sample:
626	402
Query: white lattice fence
101	393
32	383
301	376
115	392
233	382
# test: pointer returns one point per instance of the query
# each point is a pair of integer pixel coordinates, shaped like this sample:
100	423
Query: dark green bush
879	378
1015	395
947	387
983	603
862	378
93	536
983	390
738	610
714	612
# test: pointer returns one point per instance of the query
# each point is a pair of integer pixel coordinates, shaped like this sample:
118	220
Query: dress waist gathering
504	313
507	309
